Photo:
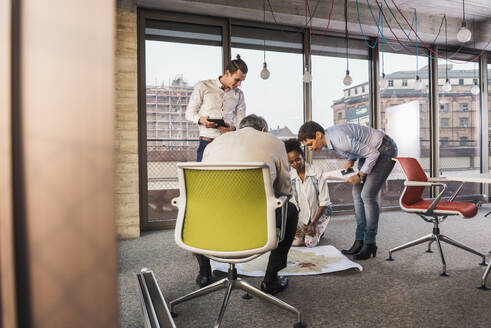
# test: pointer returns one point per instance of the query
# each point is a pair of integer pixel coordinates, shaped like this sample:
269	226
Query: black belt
385	139
206	139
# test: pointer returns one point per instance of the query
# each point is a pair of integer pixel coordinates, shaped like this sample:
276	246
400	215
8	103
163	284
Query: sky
280	98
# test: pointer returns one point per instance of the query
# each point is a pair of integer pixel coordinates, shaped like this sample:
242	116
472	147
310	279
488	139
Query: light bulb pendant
383	83
447	87
418	85
464	34
307	77
347	79
475	89
265	72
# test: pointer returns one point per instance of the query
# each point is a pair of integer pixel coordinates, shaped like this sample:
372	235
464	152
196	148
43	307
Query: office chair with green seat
227	213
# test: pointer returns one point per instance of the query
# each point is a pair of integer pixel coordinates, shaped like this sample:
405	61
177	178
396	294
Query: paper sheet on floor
301	261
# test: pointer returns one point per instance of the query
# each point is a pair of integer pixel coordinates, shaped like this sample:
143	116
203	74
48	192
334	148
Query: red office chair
412	201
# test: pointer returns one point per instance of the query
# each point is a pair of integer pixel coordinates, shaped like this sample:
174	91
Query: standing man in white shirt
218	98
252	143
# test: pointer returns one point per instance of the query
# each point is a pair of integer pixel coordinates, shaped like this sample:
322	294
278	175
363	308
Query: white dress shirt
308	202
250	145
209	99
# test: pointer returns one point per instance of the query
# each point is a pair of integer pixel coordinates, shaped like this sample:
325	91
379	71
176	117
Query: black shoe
205	280
366	252
274	286
357	245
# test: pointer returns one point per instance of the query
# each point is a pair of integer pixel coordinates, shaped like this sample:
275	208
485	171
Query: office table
475	178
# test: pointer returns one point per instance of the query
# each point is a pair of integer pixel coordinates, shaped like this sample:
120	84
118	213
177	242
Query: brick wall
126	183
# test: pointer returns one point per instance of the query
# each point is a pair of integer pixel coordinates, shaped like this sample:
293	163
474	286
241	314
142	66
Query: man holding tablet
218	105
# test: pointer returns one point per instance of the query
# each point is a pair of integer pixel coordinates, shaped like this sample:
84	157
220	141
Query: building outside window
444	123
444	107
464	107
444	142
463	141
463	122
461	81
404	83
391	83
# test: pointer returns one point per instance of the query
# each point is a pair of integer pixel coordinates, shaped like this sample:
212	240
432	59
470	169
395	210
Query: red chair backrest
413	172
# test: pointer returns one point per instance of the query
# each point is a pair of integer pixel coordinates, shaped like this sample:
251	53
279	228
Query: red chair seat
468	210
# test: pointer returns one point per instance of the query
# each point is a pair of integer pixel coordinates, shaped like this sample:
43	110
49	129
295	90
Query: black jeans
279	255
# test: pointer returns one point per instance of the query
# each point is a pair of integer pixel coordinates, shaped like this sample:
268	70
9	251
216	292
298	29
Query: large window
461	153
171	71
404	105
335	103
278	99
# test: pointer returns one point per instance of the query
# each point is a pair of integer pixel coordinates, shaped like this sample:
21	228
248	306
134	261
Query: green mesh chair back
226	209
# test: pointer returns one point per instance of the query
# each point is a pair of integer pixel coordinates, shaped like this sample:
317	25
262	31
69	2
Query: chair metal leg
461	246
224	305
269	298
444	264
484	277
200	292
429	247
410	244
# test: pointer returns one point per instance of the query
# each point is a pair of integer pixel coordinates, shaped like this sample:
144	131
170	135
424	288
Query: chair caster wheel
429	251
483	287
444	274
246	296
389	259
174	314
299	325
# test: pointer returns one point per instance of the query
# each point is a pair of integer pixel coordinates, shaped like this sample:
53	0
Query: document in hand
339	174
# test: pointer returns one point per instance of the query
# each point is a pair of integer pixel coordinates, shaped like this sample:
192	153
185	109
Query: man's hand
226	129
203	120
354	179
348	164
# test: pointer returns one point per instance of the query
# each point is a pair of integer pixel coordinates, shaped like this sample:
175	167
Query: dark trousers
201	149
279	255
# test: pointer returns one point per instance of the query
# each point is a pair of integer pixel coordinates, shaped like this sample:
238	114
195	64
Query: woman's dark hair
308	130
235	65
293	145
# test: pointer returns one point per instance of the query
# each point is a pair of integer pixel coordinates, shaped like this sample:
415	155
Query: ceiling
292	12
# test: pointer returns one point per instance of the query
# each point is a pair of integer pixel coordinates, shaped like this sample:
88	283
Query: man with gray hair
252	143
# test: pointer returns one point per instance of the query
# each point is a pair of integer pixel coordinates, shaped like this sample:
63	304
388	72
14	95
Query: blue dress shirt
353	141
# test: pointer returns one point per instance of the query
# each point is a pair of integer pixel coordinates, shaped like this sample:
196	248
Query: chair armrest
284	214
418	184
440	179
429	184
438	198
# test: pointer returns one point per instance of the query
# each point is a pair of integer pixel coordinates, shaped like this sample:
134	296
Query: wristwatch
362	177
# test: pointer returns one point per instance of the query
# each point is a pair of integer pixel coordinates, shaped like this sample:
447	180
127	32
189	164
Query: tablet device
218	121
348	171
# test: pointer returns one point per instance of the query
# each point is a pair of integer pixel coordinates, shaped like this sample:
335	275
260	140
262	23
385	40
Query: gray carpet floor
408	292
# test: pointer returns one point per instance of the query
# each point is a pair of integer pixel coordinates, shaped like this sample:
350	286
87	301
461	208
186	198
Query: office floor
408	292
